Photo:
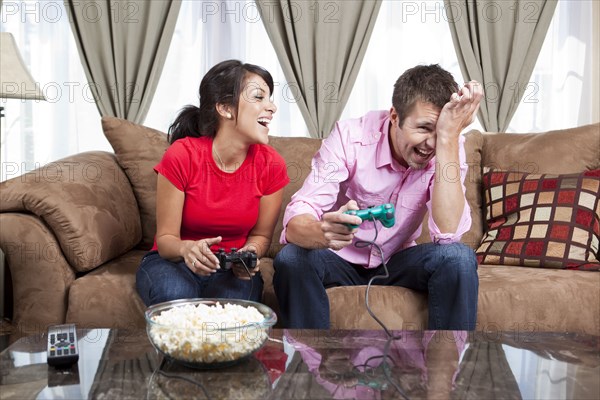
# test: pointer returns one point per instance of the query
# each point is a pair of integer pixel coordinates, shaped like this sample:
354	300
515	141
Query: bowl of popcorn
208	333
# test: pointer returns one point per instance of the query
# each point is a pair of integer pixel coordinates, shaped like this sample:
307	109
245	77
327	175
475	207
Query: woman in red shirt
219	186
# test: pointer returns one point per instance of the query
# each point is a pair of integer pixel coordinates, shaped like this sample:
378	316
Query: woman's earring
229	116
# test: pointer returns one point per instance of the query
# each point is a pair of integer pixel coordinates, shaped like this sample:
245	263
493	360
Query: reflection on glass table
445	364
312	364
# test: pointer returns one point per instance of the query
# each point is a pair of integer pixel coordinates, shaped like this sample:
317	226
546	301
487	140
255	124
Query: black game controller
226	260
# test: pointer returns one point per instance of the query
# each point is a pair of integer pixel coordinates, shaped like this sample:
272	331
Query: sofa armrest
86	202
41	276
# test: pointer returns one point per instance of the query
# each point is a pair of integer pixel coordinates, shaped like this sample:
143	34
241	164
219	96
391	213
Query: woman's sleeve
175	165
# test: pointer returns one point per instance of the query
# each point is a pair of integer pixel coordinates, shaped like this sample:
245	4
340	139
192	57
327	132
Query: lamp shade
15	80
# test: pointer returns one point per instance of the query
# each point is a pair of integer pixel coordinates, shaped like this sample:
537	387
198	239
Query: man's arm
448	200
441	359
304	223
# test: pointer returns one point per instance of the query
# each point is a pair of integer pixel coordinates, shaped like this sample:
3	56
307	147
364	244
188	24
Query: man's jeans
159	280
448	273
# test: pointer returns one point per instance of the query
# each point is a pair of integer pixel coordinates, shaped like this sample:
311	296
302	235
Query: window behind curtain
208	32
559	92
558	95
406	34
35	132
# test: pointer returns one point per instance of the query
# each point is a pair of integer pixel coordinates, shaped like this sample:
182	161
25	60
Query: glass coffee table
313	364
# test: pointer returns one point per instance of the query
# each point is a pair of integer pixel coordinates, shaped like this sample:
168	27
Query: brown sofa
74	231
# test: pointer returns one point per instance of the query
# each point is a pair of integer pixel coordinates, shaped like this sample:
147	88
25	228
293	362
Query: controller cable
249	276
168	375
386	368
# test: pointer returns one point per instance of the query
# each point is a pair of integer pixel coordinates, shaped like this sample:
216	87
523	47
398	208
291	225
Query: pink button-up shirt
355	163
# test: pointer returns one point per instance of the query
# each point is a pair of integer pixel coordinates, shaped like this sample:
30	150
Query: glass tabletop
315	364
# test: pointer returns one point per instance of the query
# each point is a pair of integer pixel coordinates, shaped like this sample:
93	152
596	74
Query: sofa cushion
543	220
519	300
566	151
511	299
268	295
397	307
107	297
138	150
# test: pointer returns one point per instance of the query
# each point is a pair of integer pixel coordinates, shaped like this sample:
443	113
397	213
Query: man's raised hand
460	111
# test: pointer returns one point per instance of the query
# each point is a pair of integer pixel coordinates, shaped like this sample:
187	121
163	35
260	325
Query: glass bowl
208	333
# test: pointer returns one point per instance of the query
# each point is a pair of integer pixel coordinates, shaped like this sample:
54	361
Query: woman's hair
425	83
222	84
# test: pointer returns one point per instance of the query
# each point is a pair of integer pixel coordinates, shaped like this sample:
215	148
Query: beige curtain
320	46
484	373
123	45
497	43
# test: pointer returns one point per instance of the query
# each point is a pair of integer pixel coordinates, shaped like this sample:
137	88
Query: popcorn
208	333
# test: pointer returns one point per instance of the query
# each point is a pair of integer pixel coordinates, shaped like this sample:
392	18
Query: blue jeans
447	273
159	280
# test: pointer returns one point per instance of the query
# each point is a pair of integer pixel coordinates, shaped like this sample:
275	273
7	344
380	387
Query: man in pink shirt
411	156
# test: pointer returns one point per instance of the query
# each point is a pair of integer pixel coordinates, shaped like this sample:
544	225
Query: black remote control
62	345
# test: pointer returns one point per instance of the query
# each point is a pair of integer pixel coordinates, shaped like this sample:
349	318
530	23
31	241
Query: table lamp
15	83
15	80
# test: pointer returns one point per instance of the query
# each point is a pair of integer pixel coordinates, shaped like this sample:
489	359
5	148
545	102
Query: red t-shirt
218	203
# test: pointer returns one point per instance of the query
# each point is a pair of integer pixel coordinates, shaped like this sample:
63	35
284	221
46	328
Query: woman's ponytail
186	124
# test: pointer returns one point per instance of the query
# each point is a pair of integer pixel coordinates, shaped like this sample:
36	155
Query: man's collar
384	150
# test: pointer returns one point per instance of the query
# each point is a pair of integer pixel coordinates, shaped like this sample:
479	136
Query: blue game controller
384	213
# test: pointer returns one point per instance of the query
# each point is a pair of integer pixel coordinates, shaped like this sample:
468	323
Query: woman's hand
238	269
198	256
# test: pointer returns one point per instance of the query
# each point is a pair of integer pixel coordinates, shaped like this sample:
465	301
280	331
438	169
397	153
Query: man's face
413	143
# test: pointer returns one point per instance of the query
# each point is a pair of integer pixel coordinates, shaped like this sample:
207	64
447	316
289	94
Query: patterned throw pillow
550	221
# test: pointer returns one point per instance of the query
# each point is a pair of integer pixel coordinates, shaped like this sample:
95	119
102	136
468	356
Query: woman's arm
169	209
260	236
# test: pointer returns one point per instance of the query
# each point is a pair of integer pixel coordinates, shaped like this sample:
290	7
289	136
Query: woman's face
255	110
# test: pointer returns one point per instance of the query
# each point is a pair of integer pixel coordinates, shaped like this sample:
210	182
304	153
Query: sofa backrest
565	151
298	153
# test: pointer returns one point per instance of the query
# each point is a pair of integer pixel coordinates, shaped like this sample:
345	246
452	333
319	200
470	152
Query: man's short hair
425	83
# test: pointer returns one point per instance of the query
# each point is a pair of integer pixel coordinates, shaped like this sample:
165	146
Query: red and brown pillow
542	220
